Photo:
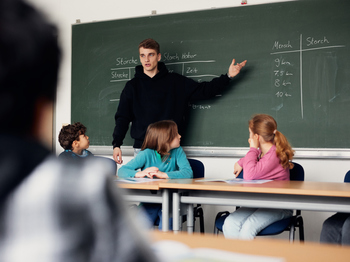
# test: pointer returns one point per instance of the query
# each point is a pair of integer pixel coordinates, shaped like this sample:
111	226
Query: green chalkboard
298	70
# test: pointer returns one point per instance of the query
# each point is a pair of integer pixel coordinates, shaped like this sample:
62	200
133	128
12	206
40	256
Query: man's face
149	60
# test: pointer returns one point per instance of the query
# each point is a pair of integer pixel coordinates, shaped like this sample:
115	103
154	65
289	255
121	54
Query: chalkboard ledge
236	152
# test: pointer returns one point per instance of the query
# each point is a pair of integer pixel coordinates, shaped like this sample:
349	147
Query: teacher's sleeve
206	90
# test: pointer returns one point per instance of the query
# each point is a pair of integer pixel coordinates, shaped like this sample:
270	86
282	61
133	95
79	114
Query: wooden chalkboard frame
239	151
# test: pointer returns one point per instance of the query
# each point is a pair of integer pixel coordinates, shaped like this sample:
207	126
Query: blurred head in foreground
29	61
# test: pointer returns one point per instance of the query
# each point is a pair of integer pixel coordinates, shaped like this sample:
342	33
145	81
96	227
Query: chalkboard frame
236	152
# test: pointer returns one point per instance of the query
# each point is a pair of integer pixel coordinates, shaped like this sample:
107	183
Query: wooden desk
148	192
313	196
295	252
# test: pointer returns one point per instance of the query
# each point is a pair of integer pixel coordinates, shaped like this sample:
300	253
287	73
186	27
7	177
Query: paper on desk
137	180
234	181
174	251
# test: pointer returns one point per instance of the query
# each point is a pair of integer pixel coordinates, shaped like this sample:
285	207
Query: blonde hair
159	136
266	126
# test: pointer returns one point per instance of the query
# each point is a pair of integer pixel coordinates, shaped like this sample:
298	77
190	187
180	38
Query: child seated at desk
75	142
161	156
268	158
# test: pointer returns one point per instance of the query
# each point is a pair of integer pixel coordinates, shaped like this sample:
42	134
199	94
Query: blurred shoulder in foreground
50	210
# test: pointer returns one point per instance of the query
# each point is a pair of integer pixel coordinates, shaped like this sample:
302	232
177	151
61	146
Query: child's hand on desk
147	172
237	169
159	174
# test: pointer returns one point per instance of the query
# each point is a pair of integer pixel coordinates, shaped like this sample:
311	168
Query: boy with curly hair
75	142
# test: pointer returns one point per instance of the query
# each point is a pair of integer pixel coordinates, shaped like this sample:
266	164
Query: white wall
65	12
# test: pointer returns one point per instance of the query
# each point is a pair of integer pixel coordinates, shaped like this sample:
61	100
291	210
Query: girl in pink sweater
269	157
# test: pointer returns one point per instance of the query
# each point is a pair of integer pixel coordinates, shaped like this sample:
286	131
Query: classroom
65	13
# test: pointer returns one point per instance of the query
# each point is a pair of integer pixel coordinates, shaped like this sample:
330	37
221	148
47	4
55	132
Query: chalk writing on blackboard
282	77
200	107
186	68
125	61
121	74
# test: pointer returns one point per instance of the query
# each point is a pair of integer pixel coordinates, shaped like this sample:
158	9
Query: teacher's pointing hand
234	69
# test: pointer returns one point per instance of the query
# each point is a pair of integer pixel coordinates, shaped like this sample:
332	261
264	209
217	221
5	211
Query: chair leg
201	220
301	229
216	231
292	233
198	212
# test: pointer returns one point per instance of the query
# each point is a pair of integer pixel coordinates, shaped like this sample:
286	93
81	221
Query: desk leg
176	212
190	218
165	210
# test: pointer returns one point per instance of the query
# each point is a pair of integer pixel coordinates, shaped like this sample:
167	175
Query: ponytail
283	150
266	126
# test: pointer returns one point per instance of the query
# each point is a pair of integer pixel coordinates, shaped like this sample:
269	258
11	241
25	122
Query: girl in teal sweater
161	157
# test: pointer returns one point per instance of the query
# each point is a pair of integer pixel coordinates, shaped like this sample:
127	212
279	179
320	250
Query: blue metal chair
288	224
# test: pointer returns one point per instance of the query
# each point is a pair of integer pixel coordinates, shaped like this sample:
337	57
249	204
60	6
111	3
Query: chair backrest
109	162
197	168
347	177
297	173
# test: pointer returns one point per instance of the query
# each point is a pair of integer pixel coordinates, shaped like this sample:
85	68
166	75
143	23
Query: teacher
155	94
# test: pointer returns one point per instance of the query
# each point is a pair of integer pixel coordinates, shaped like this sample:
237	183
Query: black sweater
146	100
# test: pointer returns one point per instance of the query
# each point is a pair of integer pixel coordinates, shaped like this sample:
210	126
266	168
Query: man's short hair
29	62
150	43
70	133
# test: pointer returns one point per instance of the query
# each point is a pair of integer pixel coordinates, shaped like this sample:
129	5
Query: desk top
296	252
153	185
311	188
272	187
